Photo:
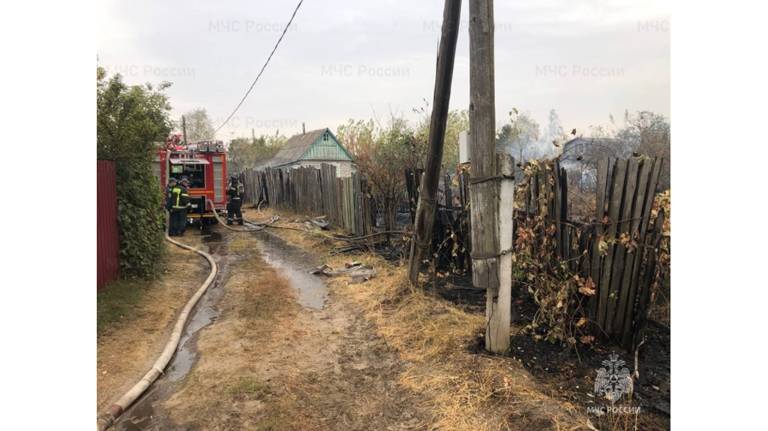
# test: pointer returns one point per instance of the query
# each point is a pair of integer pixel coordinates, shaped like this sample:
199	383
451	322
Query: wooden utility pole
491	184
184	130
425	210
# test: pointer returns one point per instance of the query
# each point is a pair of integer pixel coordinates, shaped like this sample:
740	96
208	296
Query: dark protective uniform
179	201
169	197
235	193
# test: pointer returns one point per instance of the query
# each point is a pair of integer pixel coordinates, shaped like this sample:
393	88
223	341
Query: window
195	174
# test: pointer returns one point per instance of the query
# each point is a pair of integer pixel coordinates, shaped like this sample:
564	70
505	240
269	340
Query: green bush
130	120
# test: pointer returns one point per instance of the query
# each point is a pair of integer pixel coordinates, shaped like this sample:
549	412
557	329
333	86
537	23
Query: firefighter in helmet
235	192
179	202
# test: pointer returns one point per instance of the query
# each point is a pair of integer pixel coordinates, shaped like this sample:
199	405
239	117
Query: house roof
578	146
592	141
297	147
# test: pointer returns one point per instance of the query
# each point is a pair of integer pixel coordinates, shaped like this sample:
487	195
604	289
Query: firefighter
179	203
235	192
186	203
169	193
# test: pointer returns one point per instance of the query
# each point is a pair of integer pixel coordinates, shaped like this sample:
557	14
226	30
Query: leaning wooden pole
425	210
491	184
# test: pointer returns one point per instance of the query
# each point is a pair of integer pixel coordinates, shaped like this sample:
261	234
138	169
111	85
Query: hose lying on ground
257	226
107	419
254	227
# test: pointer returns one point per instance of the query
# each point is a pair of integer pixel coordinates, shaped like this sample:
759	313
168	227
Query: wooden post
491	184
425	210
184	130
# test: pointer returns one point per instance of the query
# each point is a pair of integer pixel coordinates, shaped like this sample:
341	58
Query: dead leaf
588	287
602	247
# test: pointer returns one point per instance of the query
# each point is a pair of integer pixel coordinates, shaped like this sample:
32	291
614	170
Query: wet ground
270	347
292	263
142	415
295	264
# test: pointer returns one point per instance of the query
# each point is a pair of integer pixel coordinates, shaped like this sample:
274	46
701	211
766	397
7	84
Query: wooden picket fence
617	249
451	232
624	271
345	202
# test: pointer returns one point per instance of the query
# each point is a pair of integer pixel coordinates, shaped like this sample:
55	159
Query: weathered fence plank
638	204
614	210
313	191
635	285
617	271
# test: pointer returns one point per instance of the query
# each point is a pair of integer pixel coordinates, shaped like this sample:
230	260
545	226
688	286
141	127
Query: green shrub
130	120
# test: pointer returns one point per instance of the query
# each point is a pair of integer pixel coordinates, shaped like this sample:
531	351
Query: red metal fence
107	236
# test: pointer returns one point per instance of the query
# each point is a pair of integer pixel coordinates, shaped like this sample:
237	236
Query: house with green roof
314	148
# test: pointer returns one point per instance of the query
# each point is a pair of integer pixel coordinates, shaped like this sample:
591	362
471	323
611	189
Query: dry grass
226	390
270	364
136	319
465	391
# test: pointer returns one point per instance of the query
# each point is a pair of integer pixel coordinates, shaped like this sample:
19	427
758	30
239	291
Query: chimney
303	129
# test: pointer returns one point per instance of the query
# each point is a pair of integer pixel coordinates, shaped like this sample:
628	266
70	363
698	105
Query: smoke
522	137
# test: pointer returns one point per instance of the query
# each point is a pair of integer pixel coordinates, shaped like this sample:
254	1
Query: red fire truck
205	165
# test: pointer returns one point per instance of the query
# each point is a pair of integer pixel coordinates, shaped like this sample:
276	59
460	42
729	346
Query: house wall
325	148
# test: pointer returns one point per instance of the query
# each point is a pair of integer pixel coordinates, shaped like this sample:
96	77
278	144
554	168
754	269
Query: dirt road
271	348
128	345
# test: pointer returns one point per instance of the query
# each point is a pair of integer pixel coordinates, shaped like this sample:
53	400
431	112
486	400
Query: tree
649	134
457	121
199	126
246	153
381	155
519	136
357	136
130	120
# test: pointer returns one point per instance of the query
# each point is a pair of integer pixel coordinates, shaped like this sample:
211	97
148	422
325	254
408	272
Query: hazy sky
357	59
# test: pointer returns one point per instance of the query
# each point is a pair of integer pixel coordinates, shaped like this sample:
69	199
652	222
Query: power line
262	68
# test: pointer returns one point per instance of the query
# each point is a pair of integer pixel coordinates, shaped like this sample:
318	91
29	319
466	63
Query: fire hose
107	419
253	227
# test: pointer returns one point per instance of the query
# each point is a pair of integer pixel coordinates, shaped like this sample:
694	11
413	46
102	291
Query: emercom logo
613	380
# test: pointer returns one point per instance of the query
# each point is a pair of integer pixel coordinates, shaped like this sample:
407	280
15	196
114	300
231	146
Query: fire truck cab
205	165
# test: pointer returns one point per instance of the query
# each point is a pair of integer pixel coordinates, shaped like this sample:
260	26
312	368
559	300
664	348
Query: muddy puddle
295	264
291	262
142	414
